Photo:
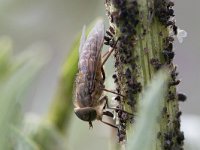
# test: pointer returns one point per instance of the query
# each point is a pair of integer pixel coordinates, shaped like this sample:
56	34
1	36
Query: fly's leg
104	77
114	108
106	90
104	100
108	113
120	132
112	92
90	125
107	54
111	125
103	73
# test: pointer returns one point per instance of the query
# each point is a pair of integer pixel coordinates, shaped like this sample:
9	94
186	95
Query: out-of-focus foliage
43	134
16	74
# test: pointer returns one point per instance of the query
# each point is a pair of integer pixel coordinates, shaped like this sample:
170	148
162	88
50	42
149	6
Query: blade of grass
13	86
149	111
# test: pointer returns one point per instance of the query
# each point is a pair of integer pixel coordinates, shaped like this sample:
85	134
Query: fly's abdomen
83	97
87	93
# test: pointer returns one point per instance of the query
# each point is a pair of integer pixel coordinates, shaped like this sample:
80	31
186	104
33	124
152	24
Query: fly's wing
82	40
90	57
96	35
97	38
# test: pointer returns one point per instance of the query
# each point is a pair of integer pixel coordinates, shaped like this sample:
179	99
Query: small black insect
178	114
169	55
182	97
109	39
174	83
175	29
155	63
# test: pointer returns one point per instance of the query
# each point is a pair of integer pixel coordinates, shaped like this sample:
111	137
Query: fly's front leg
108	53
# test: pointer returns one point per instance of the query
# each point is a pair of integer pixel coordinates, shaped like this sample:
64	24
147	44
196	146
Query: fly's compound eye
86	114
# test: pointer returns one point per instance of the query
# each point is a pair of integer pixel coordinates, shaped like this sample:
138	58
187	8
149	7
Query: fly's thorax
99	85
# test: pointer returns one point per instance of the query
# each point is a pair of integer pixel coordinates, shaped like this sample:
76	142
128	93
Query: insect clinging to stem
89	102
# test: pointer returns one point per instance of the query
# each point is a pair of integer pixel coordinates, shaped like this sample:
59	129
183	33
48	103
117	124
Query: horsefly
89	102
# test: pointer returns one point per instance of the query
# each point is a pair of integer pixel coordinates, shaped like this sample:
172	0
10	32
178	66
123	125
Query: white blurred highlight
190	125
181	35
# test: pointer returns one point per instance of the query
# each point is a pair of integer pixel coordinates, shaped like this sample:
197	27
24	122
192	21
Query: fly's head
88	114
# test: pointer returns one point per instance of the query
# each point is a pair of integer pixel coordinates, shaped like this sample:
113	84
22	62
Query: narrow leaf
149	111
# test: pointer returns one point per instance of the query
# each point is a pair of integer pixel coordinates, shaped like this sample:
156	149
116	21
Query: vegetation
144	74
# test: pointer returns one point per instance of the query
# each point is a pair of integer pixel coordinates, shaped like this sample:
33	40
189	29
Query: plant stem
144	28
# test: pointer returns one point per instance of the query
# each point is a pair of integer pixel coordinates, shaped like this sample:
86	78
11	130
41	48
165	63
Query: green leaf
22	142
45	135
149	111
5	54
13	86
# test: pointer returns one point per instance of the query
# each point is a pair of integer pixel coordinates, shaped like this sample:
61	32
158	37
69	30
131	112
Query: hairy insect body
89	81
84	95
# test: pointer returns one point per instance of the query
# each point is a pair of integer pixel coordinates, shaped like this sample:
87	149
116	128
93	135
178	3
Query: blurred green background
53	25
